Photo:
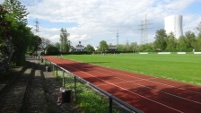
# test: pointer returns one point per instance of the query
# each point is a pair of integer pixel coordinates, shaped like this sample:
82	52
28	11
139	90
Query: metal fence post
53	69
110	104
63	80
75	88
56	71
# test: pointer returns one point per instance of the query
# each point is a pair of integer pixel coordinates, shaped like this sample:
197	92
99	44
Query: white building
174	24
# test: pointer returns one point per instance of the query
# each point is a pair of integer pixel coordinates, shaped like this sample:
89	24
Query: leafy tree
120	47
198	28
16	10
64	40
52	50
160	43
19	34
198	44
133	47
190	40
57	45
182	44
171	42
127	47
103	46
149	47
89	48
198	40
44	43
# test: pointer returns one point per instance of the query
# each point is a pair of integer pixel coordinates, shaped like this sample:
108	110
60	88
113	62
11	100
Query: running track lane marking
129	91
152	88
151	81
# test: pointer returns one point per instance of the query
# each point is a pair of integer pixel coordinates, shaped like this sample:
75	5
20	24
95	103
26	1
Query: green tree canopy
64	40
20	34
103	46
89	48
171	42
160	42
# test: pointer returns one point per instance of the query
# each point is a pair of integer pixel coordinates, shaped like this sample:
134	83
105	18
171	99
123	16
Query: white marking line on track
153	81
124	81
131	92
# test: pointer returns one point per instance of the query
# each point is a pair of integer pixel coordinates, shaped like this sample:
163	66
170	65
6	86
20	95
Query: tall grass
184	68
88	100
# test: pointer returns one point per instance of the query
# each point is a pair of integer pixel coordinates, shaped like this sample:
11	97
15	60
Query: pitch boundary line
150	81
130	91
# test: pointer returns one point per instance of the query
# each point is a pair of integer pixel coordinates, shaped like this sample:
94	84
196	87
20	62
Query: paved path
32	91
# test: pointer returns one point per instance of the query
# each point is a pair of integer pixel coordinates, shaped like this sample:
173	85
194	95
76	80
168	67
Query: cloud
98	20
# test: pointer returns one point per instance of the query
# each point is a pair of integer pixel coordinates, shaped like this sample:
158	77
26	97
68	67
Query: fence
112	99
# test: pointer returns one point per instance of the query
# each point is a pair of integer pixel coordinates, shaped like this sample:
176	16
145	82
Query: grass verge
88	100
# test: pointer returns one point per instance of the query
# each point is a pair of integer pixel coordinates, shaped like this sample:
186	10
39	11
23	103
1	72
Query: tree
89	48
16	9
149	47
64	40
44	43
198	28
160	43
103	46
57	45
198	44
52	50
198	41
181	44
171	42
190	40
120	47
133	47
20	35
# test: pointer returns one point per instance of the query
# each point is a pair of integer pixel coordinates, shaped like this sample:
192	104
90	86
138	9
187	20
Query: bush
51	50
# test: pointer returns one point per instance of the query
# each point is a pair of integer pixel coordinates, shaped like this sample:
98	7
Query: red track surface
149	94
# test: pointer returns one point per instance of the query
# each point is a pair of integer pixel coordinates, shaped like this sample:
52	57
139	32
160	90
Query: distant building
79	47
112	48
174	24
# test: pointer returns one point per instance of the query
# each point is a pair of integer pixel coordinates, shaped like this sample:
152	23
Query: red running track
149	94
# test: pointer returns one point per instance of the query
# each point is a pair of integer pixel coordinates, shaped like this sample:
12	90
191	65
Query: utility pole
144	30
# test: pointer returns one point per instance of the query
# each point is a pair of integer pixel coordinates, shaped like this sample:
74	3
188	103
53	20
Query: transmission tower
144	26
37	27
117	37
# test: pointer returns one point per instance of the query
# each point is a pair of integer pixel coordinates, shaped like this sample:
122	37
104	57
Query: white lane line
186	99
130	91
152	81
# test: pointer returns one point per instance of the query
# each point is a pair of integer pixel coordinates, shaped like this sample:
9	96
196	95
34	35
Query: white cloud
100	19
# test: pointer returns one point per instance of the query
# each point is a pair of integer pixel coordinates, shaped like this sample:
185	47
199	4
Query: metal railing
111	97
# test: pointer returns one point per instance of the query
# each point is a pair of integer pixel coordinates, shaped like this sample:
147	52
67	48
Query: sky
91	21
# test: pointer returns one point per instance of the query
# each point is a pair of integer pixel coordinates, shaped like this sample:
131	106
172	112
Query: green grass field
184	68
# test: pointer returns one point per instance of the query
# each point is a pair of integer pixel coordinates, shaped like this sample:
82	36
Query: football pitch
185	68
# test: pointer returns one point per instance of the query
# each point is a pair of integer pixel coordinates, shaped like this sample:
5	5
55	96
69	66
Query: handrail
128	106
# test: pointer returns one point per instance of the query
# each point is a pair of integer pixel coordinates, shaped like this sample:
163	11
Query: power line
117	37
144	27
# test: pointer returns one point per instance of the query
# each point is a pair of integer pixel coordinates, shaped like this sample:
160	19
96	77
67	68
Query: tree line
163	42
16	38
